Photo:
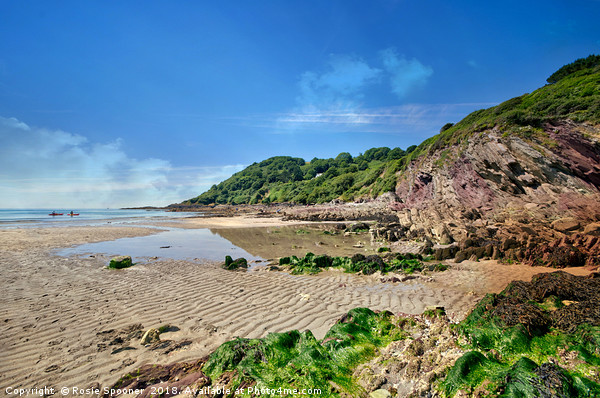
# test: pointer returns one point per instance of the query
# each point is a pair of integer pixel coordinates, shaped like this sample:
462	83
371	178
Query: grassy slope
574	94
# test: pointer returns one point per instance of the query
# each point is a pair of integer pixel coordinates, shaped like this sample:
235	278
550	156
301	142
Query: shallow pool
175	243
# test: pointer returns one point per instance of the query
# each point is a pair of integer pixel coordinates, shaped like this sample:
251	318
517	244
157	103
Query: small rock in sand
151	336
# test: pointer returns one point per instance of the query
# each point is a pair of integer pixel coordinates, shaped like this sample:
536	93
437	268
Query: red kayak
74	214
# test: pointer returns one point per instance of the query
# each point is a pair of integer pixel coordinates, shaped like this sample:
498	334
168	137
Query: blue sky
126	103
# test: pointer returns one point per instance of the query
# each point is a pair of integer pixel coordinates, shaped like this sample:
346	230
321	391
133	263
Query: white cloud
341	84
405	75
333	100
56	169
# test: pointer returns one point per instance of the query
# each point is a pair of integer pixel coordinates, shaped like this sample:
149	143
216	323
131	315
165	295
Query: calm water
11	218
176	243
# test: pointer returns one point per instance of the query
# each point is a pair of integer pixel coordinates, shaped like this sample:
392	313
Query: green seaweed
120	262
312	264
467	370
506	356
297	360
231	264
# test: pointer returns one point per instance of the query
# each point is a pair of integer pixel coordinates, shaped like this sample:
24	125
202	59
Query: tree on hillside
591	61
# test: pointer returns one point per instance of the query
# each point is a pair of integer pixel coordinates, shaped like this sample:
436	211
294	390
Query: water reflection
175	243
253	243
274	242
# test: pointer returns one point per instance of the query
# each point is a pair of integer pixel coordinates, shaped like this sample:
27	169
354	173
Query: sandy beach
70	322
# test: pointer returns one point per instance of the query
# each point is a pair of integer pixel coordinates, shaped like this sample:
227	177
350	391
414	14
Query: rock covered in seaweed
120	262
231	264
538	338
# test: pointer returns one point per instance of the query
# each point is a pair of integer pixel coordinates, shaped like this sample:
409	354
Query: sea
170	242
36	218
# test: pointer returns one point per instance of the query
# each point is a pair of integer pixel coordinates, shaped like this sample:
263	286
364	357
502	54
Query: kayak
74	214
55	214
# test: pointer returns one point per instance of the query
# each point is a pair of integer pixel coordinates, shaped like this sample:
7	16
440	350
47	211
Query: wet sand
62	318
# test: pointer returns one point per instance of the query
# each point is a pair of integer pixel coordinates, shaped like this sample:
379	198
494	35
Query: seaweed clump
231	264
366	265
120	262
297	360
534	339
280	363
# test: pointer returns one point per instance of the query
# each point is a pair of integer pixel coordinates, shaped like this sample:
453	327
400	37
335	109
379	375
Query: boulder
151	336
443	252
380	393
566	224
231	264
460	256
592	229
509	243
120	262
361	226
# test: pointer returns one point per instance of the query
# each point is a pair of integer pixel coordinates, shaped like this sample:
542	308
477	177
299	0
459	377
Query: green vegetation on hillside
573	93
288	179
580	64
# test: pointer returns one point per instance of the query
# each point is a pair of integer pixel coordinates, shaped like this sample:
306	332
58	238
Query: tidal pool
256	244
175	243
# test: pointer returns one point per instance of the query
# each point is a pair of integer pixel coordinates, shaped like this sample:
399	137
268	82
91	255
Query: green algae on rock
231	264
366	265
525	343
297	360
120	262
291	360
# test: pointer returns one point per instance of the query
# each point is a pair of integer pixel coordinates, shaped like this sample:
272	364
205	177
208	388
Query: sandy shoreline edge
62	317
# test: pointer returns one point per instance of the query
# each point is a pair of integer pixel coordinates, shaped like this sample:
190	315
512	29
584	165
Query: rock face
532	198
409	367
497	177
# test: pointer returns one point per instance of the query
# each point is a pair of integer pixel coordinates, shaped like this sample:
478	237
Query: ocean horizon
12	218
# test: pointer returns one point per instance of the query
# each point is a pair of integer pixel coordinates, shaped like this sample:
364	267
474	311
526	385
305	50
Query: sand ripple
55	311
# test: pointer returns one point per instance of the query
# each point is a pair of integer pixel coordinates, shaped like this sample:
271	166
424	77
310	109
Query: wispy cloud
54	168
400	119
473	64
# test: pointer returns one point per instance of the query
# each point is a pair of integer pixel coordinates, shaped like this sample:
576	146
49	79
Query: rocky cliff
519	181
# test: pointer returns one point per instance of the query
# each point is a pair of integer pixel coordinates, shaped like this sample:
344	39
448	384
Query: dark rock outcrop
169	379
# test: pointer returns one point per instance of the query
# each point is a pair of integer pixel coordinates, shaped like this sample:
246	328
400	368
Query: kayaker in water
71	213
